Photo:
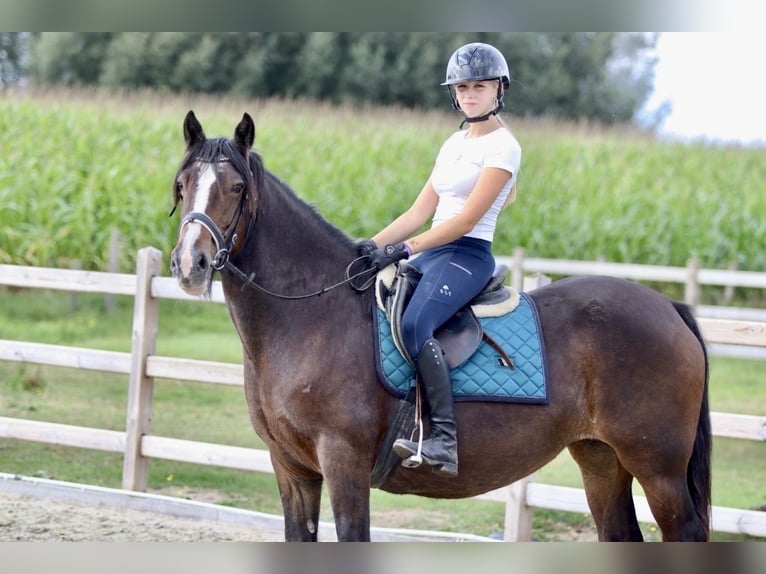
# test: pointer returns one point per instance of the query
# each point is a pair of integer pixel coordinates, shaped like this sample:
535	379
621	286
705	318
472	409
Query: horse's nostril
201	262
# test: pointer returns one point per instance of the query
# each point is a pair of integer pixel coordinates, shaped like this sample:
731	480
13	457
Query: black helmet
474	62
477	61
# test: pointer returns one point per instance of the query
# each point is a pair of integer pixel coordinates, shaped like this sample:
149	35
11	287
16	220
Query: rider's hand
385	256
364	248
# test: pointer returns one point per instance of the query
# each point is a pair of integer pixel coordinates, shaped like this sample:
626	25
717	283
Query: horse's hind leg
608	490
673	509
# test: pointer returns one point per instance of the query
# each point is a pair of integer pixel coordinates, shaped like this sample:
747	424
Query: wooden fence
142	366
692	277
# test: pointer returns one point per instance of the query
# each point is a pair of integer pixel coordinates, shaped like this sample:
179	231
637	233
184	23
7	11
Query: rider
473	179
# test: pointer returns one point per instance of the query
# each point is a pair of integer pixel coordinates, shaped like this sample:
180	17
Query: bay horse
627	365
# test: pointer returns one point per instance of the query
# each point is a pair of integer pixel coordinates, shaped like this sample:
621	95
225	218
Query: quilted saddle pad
484	377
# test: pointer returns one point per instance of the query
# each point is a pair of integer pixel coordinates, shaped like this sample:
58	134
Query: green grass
218	414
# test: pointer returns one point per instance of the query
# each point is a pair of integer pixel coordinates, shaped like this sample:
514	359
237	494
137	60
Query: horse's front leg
301	498
346	470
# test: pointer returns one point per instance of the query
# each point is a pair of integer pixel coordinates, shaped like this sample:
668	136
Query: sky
715	84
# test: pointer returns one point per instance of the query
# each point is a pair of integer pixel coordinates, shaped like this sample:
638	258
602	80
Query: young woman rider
472	180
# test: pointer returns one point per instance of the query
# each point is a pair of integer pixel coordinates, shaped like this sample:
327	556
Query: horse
628	366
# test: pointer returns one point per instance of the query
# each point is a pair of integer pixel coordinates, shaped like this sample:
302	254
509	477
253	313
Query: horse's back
596	298
611	314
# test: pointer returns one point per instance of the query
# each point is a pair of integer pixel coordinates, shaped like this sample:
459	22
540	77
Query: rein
221	260
248	280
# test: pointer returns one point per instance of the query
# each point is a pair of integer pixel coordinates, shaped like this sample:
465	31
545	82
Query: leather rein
222	259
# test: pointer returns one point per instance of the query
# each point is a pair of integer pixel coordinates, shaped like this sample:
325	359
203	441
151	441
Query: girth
462	334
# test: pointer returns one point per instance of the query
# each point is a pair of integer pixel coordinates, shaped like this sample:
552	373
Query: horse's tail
698	470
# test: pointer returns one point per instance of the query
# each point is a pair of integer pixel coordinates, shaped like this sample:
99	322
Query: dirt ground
36	520
31	519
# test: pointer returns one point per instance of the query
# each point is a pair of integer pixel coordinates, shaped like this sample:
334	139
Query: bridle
222	258
223	247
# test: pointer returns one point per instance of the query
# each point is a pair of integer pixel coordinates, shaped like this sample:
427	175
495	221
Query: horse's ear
244	133
193	133
176	197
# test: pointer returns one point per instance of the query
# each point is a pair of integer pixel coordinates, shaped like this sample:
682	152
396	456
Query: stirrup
416	459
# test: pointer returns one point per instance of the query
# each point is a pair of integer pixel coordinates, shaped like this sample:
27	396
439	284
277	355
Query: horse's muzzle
192	269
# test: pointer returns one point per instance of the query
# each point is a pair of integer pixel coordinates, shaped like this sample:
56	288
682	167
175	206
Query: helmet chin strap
484	117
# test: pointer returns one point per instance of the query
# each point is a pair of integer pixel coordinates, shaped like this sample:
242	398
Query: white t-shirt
458	165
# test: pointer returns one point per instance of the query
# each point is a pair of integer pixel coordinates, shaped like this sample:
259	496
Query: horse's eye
179	188
238	188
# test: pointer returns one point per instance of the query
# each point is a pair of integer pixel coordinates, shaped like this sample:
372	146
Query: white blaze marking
205	181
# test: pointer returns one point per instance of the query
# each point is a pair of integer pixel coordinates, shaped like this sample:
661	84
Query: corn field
76	165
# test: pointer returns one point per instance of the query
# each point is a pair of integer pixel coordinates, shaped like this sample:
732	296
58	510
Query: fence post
532	282
114	264
517	271
728	290
74	298
141	387
692	287
518	515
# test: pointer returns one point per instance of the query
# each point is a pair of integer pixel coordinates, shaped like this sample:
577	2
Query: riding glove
385	256
365	247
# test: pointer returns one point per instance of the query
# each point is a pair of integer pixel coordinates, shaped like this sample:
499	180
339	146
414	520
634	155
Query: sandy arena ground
30	519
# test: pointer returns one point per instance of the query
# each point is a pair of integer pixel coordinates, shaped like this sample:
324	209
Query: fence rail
142	365
692	276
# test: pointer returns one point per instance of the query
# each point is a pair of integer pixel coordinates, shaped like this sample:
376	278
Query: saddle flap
460	337
399	296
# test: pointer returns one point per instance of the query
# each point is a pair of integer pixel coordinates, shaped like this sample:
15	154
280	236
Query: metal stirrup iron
415	460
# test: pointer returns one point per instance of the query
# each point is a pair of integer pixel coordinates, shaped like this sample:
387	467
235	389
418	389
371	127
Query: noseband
223	247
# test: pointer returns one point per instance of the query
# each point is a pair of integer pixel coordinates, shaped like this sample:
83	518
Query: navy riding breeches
453	274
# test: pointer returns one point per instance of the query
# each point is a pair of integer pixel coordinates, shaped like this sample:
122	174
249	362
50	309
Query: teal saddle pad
483	377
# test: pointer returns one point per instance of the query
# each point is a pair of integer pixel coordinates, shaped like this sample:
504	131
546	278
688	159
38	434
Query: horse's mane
313	214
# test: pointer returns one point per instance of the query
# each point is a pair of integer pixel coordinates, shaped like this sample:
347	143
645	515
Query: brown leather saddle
462	334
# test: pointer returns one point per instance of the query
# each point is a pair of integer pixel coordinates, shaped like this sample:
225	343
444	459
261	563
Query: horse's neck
293	242
290	250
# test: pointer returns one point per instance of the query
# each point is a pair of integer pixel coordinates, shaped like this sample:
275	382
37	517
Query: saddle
462	334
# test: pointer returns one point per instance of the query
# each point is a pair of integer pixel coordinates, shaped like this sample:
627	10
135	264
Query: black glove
389	254
365	247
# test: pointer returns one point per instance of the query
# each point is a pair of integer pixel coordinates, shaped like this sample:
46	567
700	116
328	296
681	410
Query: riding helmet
477	61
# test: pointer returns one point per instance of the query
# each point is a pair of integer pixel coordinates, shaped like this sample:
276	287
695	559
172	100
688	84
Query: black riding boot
440	451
